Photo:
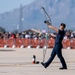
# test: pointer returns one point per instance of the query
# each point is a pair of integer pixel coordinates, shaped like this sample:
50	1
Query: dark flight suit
57	50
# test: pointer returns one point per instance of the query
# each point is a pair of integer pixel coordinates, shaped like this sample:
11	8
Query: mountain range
32	16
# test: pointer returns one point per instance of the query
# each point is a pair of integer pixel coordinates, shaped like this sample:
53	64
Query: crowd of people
9	35
69	35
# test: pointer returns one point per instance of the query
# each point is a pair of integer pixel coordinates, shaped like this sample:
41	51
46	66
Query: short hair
64	25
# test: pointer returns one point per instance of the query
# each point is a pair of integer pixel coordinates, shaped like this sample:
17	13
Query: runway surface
19	62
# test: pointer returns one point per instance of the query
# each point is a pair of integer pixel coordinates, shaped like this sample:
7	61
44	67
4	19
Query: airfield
18	61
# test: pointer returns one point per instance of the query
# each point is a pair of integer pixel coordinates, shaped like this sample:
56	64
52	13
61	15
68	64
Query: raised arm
52	27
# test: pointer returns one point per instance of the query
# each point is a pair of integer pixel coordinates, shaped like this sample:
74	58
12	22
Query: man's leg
59	54
50	59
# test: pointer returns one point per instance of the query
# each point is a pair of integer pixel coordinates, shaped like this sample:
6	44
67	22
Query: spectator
27	35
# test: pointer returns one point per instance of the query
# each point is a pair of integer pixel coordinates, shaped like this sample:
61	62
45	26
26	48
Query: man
57	50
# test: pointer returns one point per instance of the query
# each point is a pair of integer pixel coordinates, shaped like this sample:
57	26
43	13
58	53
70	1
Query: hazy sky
7	5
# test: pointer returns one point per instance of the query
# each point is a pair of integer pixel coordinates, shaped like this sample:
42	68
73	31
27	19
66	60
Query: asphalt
18	61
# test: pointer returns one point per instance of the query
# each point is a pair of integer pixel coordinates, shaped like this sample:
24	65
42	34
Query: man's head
62	26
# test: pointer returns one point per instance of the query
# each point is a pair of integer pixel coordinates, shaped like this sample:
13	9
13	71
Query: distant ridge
33	16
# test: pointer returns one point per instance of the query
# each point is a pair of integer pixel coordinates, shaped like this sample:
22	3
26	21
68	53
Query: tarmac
18	61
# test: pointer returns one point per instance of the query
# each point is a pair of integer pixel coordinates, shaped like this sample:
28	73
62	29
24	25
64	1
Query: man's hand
52	27
48	23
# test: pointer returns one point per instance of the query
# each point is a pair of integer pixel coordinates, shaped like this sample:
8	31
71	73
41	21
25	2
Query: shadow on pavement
6	50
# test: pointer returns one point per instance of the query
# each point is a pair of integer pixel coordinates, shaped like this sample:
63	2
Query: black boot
63	68
43	64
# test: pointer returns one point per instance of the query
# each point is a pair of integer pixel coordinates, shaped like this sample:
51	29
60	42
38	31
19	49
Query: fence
34	43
